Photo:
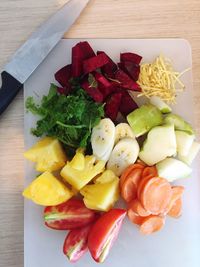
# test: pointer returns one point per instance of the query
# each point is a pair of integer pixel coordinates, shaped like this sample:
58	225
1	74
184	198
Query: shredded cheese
159	79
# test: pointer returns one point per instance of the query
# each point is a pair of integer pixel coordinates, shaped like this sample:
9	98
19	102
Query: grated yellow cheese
159	79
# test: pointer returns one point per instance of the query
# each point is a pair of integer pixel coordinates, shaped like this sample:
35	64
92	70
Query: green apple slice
179	123
160	143
193	151
144	119
184	142
173	169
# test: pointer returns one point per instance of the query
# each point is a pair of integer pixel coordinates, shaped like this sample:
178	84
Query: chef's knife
35	49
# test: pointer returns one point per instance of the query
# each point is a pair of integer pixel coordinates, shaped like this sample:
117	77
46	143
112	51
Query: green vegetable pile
67	118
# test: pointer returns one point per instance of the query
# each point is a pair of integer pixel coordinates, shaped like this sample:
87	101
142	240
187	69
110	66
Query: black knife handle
10	87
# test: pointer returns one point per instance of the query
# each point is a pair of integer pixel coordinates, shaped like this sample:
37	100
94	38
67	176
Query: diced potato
48	155
47	190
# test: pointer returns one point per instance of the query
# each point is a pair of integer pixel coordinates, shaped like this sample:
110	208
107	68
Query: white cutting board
177	245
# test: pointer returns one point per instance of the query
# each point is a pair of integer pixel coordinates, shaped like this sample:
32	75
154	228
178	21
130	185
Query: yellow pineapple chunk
103	194
48	155
79	172
47	190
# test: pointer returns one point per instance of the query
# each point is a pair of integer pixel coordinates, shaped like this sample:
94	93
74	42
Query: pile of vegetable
88	158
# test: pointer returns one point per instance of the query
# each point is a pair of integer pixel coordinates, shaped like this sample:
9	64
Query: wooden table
102	18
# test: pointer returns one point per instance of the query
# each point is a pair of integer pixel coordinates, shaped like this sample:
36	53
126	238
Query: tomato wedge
69	215
104	232
75	245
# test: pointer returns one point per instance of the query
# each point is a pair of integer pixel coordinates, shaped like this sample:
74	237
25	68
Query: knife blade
29	56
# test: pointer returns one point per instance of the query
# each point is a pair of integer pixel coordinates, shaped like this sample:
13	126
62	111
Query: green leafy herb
68	118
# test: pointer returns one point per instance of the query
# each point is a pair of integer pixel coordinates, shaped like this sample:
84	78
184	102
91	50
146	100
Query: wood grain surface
102	19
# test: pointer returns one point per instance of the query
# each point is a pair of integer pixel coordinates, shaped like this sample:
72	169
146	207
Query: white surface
177	245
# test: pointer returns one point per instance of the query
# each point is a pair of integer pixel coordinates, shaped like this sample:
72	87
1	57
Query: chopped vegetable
127	104
134	217
137	207
75	245
70	118
176	209
64	75
156	195
131	57
109	68
112	106
125	81
47	190
152	224
48	154
93	63
144	119
104	232
160	79
68	215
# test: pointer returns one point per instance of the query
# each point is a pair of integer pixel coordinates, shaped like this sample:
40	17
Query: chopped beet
80	52
112	106
93	92
127	104
130	68
93	63
77	59
64	75
134	58
110	68
126	81
104	85
63	90
88	52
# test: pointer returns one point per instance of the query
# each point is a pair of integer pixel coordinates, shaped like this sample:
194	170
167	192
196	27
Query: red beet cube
112	106
127	104
64	75
93	63
134	58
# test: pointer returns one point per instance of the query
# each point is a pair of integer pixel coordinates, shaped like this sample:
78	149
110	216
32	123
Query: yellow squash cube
47	190
103	194
48	155
80	171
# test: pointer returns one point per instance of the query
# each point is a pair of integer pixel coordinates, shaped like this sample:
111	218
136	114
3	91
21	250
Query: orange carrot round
142	183
152	224
176	209
128	170
177	192
156	195
134	217
137	207
150	170
129	186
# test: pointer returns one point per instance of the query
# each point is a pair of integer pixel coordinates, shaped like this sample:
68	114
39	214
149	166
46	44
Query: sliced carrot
134	217
137	207
176	209
142	183
152	224
177	192
129	169
150	170
156	195
129	186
